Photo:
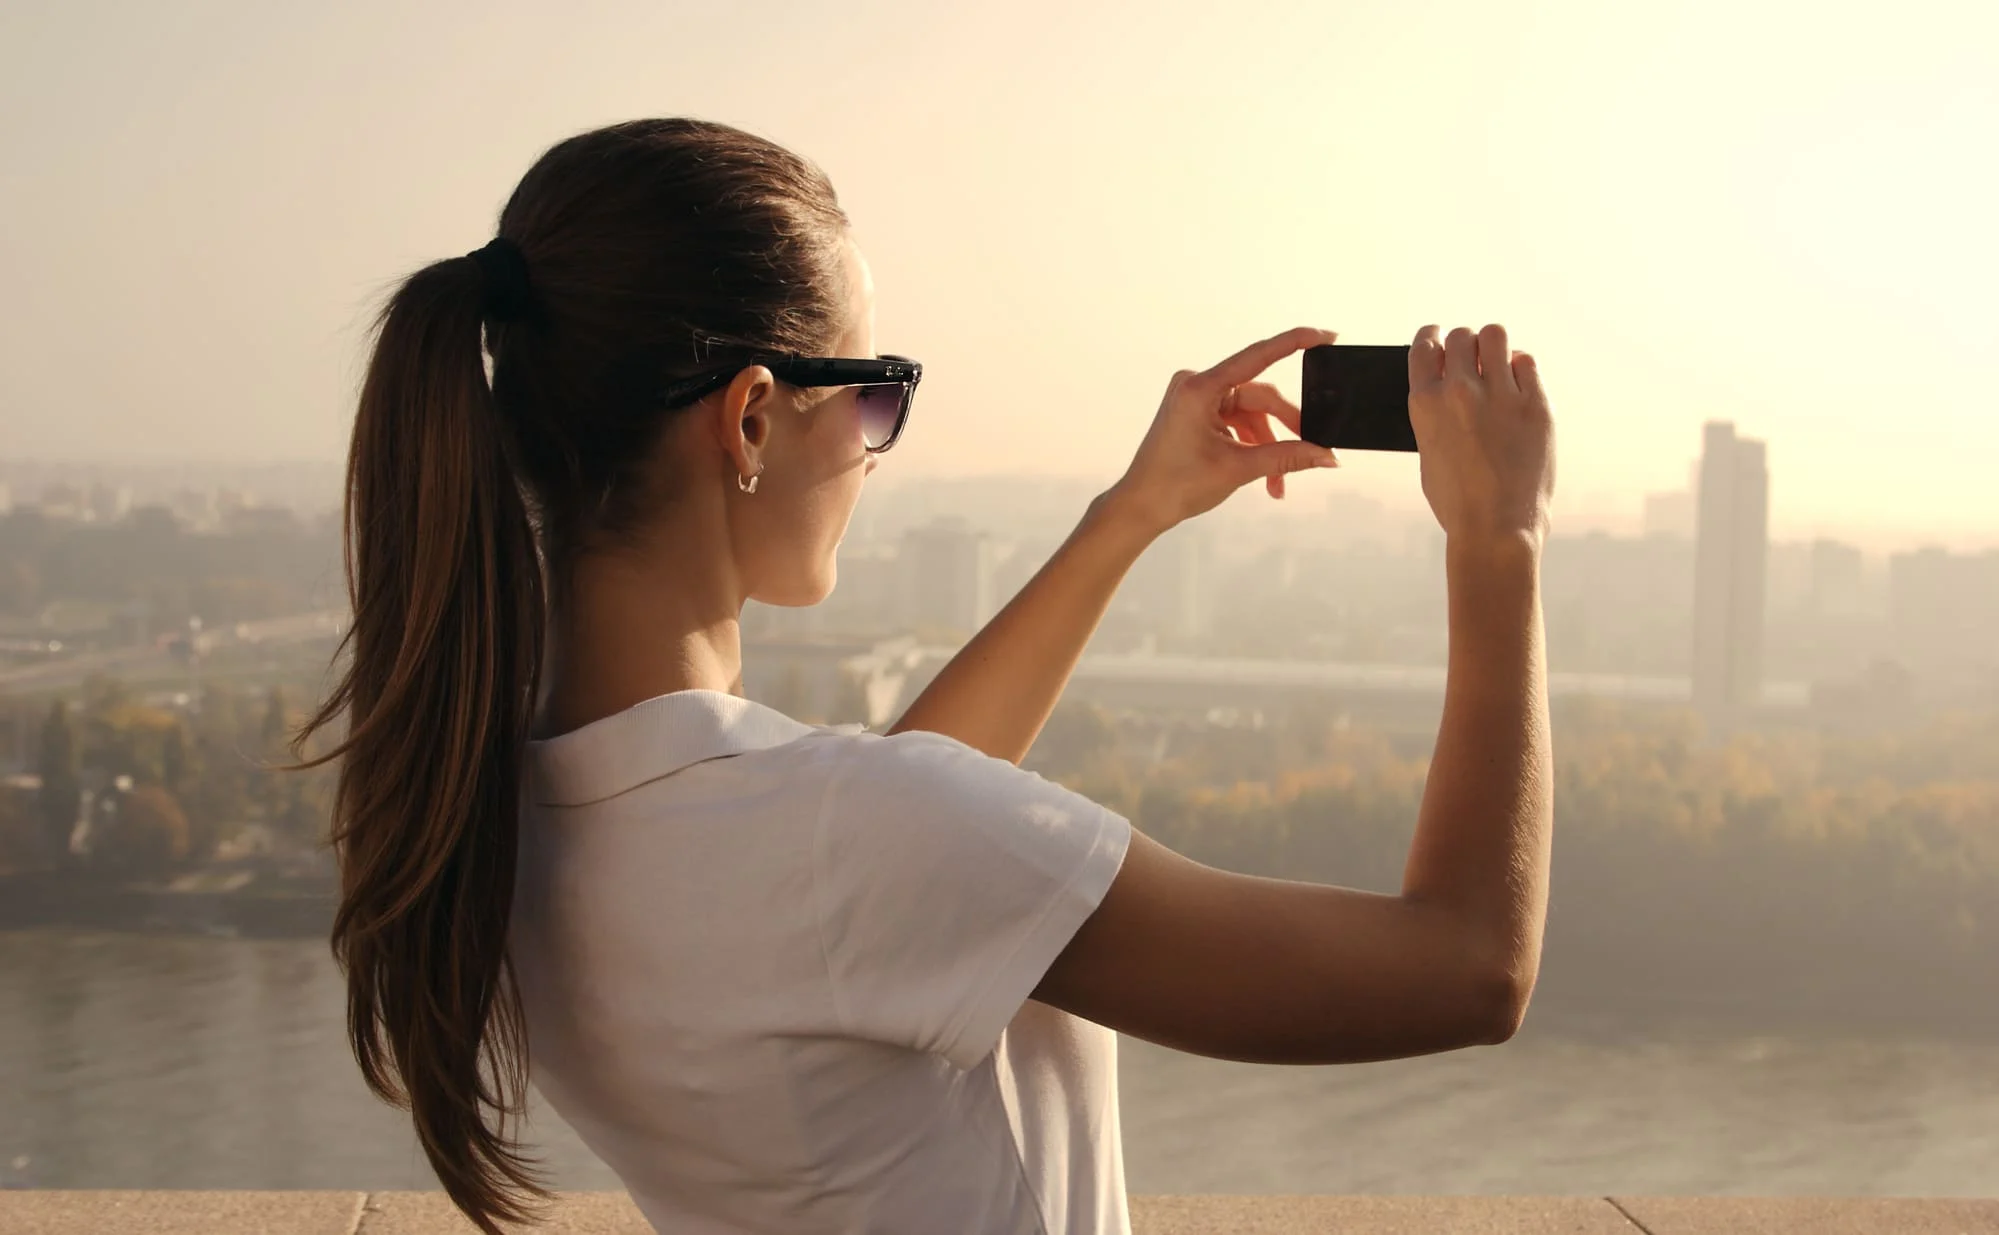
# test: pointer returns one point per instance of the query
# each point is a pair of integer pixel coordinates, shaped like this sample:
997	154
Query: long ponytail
636	254
439	690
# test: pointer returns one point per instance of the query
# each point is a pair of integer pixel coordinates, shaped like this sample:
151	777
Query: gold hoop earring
749	485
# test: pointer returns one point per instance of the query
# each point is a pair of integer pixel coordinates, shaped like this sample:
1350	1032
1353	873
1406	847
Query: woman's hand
1485	434
1212	436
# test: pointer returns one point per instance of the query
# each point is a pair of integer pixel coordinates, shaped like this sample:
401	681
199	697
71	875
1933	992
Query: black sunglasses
888	386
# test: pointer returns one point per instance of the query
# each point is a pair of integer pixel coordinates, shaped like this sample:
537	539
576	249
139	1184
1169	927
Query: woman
784	978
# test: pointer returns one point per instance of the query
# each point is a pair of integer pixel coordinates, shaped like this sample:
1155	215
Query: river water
131	1061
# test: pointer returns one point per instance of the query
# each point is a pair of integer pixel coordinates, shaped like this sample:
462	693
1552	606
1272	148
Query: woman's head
629	259
782	464
658	250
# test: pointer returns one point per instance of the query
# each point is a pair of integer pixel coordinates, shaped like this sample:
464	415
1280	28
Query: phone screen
1356	397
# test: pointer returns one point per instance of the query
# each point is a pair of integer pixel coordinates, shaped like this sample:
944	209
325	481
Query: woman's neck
626	626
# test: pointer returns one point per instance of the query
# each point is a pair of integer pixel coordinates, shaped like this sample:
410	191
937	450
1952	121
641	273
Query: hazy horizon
1764	213
1399	497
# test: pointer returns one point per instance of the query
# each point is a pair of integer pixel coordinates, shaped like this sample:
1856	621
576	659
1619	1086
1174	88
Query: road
139	662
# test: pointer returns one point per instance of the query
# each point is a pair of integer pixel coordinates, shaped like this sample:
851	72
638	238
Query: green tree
1075	736
62	781
276	792
20	831
143	832
174	759
276	729
226	782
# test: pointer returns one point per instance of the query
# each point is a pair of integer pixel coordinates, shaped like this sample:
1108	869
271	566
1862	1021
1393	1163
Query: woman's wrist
1494	548
1120	514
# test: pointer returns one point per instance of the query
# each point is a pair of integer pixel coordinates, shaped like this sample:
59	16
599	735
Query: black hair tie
509	296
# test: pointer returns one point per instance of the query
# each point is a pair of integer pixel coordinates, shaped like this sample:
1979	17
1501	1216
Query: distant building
195	508
868	595
1787	581
1838	586
1403	698
229	501
761	621
1618	603
1670	514
1944	608
109	502
832	680
948	569
1731	563
262	521
61	500
1173	583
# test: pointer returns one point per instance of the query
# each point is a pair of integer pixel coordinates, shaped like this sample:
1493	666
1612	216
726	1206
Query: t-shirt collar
652	739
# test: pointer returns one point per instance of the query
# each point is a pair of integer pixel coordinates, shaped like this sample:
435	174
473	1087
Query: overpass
159	660
877	679
892	673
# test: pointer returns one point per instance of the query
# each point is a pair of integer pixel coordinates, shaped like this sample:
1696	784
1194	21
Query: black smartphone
1356	397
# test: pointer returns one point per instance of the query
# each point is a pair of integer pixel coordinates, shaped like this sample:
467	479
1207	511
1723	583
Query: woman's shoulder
915	768
911	752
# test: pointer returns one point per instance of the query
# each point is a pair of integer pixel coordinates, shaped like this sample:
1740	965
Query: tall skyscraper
1731	566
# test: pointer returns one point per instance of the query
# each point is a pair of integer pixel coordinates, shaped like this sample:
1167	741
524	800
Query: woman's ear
742	418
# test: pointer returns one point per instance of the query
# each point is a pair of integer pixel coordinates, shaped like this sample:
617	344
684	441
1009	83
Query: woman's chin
802	593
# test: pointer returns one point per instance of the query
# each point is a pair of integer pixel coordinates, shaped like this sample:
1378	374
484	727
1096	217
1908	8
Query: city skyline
204	220
313	487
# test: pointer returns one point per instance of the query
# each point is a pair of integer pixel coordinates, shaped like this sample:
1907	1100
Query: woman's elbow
1499	1006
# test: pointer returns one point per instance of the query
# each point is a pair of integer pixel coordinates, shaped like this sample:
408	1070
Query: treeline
123	786
271	565
1793	879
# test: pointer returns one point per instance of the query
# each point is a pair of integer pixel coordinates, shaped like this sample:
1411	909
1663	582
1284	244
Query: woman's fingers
1264	403
1267	400
1252	428
1251	361
1461	354
1180	470
1495	359
1426	359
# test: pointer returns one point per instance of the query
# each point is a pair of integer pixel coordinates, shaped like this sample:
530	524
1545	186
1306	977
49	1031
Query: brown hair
654	249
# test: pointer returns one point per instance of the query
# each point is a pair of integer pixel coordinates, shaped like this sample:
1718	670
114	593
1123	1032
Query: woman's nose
873	459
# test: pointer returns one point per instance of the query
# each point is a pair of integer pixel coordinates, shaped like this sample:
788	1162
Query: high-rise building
1731	565
948	570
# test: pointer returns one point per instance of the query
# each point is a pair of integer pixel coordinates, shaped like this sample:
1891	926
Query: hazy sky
1777	213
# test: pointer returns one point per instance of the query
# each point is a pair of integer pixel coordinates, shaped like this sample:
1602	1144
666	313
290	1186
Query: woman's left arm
997	692
1210	437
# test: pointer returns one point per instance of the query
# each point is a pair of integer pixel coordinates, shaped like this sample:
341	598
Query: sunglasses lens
881	412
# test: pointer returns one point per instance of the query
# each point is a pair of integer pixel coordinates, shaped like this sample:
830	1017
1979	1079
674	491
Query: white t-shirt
777	976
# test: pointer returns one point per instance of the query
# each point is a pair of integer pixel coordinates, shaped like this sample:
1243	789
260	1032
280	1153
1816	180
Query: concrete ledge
611	1213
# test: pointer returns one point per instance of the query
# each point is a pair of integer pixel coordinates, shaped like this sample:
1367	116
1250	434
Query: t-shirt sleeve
947	882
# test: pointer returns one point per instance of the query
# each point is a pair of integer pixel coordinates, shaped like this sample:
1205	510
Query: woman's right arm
1275	971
